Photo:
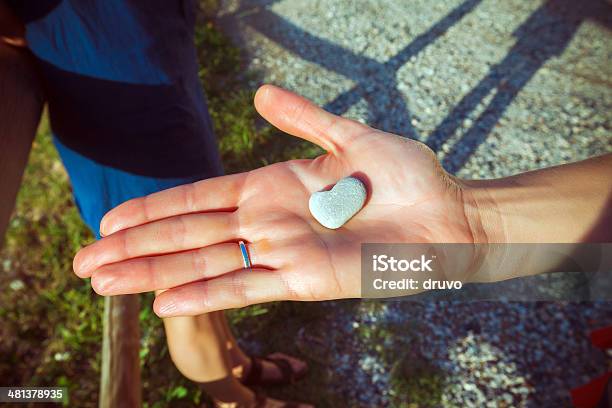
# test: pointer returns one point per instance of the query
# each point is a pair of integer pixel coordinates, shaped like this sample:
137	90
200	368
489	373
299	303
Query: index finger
219	193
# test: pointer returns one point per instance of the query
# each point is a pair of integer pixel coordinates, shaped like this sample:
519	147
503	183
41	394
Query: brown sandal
255	374
261	399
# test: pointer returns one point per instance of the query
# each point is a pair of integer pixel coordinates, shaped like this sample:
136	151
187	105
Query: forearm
21	103
569	204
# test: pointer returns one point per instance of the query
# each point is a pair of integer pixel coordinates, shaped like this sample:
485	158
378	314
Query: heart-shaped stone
333	208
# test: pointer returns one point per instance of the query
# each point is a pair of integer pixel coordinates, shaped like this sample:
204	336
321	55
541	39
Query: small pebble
335	207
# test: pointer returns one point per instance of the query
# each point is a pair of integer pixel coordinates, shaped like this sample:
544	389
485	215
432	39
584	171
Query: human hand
184	239
12	31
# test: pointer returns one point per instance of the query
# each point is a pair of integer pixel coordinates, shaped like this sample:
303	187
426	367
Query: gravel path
495	88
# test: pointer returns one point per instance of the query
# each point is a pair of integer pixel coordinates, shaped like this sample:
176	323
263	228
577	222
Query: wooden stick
120	382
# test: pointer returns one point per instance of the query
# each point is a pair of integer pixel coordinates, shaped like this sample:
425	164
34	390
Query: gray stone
335	207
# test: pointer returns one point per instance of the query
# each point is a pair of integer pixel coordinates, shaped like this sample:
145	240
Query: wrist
526	208
486	226
541	207
563	204
494	214
485	217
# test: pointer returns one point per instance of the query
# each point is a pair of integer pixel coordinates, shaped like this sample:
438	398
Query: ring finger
179	233
167	271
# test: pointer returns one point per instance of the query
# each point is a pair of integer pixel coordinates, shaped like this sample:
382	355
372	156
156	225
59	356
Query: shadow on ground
544	35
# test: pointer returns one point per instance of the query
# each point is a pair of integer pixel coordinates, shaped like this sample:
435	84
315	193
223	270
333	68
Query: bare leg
199	351
241	362
239	358
204	350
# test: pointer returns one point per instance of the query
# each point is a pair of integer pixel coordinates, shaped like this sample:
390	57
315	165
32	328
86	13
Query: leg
20	109
241	362
130	119
205	351
239	359
198	347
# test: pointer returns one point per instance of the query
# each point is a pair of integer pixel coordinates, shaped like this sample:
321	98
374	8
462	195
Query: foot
270	370
262	401
274	403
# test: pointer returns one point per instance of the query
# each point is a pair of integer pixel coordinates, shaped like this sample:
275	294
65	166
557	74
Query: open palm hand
184	239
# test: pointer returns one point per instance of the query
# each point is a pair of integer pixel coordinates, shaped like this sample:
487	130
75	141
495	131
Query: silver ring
246	260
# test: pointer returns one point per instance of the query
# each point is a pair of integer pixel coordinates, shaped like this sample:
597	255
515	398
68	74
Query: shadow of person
375	82
544	35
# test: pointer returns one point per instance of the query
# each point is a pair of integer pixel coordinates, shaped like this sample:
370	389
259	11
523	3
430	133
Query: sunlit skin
186	235
185	239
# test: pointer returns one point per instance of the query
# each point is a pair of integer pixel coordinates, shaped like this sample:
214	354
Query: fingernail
108	227
104	227
102	285
82	265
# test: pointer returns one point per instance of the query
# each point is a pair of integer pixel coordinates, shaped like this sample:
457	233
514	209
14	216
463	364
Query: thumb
299	117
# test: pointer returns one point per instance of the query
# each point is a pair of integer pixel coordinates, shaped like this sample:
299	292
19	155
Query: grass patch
414	382
51	320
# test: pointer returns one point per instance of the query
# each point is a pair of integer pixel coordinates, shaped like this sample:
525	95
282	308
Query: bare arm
566	204
185	238
570	203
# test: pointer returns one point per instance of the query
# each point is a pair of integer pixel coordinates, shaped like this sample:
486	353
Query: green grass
50	331
50	328
51	321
